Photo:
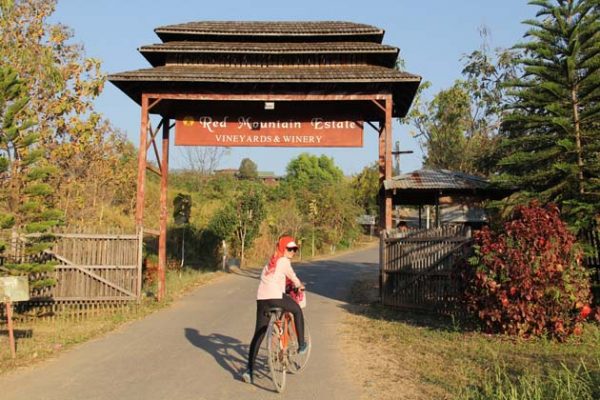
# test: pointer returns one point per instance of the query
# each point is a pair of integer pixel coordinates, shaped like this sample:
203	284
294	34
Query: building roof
287	74
182	52
270	30
329	57
426	186
436	179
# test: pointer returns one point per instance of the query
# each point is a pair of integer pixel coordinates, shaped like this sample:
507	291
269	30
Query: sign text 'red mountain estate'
233	131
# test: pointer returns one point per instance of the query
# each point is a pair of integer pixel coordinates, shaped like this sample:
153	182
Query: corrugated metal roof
436	179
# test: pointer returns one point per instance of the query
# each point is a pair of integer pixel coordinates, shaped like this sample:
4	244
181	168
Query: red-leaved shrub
528	279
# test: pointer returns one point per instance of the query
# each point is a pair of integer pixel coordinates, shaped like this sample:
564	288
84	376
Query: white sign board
14	288
366	220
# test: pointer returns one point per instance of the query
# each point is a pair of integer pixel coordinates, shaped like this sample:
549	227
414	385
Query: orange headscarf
279	252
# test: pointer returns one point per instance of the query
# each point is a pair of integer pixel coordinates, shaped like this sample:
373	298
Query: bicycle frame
283	322
283	355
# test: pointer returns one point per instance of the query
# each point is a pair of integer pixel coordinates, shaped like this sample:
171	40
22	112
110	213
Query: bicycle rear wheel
276	357
298	362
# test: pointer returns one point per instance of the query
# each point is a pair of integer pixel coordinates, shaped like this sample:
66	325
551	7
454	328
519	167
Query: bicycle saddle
276	310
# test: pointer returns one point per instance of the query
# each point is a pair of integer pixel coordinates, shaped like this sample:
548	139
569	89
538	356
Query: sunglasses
294	249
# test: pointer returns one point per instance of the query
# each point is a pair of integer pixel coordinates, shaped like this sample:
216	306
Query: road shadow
421	319
364	301
352	280
228	352
231	354
333	279
247	273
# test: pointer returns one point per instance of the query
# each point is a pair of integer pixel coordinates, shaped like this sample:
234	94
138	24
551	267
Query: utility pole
396	153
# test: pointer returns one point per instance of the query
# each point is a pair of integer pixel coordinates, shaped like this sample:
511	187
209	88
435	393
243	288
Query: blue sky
432	36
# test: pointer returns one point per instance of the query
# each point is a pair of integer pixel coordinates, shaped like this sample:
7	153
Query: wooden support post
437	212
381	163
162	240
388	161
381	264
140	260
11	333
141	179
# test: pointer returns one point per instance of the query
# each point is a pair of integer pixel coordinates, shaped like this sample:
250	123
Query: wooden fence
94	270
591	239
417	269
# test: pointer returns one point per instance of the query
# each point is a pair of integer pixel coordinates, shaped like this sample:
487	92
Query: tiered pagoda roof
271	58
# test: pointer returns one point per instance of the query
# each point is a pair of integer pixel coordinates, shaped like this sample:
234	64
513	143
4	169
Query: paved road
196	348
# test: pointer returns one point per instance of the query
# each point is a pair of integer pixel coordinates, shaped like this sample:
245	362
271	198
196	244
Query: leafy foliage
550	136
366	187
93	164
26	193
182	205
248	169
458	127
240	219
310	172
528	279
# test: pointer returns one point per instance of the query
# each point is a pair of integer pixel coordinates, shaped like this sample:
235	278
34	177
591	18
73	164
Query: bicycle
282	346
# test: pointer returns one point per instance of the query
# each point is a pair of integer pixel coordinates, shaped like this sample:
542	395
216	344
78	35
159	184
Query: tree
239	220
443	127
248	169
366	188
91	158
26	190
202	161
336	215
458	128
551	137
182	210
486	73
310	172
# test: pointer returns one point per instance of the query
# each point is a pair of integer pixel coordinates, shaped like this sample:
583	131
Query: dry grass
399	355
42	339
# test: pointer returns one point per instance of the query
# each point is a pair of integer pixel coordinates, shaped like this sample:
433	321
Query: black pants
262	323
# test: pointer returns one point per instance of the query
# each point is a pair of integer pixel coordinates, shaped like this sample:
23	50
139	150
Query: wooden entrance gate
417	270
91	267
281	84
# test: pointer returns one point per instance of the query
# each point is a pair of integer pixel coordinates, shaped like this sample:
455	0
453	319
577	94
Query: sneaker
303	349
247	376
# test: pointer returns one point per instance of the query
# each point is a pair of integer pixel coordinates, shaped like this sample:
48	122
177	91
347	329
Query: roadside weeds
398	355
41	339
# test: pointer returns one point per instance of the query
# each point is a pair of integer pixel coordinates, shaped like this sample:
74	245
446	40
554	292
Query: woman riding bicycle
271	293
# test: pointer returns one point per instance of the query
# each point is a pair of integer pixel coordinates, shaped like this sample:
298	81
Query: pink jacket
272	286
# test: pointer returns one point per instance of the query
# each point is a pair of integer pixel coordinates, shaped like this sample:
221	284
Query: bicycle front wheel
275	351
298	362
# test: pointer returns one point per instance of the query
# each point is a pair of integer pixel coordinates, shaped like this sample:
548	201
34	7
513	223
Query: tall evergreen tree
26	192
551	137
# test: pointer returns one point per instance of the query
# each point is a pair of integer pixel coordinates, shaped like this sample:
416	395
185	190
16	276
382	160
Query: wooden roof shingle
159	54
208	73
271	57
272	30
